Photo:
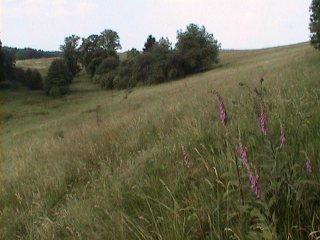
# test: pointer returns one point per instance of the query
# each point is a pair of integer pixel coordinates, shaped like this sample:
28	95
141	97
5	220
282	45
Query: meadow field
156	162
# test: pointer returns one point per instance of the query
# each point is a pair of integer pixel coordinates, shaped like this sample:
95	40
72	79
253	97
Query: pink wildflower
283	139
243	153
222	112
254	184
263	120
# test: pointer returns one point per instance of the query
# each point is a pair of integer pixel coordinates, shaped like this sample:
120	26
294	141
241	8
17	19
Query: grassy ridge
107	165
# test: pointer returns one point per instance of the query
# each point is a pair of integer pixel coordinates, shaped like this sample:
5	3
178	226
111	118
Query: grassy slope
100	164
41	64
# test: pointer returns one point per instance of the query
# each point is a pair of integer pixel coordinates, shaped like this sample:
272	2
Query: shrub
106	80
108	64
57	79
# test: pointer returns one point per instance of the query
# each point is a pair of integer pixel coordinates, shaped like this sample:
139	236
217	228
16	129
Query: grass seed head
283	138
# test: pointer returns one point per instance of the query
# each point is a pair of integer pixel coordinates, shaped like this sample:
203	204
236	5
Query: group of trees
10	75
196	50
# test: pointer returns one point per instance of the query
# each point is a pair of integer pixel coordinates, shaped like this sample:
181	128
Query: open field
41	64
108	164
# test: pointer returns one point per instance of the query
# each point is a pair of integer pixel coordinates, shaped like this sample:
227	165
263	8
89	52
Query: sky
236	24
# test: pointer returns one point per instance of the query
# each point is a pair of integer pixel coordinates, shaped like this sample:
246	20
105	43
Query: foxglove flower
243	153
263	120
254	184
222	112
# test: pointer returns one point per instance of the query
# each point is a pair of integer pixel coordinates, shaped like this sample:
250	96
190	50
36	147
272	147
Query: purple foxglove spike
254	184
222	112
243	153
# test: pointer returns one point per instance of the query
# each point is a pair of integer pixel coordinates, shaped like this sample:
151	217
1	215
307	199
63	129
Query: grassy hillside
41	64
109	164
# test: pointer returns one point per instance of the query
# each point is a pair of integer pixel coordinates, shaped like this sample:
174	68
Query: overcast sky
236	24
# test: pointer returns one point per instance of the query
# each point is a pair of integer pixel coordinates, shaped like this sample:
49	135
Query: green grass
107	164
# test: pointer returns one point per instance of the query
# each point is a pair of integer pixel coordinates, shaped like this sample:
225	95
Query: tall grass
111	166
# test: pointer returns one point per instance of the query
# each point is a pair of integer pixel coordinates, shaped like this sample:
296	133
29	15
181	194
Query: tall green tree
58	78
96	48
71	54
88	49
315	23
109	40
197	47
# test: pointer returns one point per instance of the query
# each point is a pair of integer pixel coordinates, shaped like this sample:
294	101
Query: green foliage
30	53
7	64
71	54
108	64
1	64
151	40
109	40
98	53
315	23
35	82
58	77
107	80
198	48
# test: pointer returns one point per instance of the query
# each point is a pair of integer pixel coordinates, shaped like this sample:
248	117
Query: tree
88	49
96	48
151	40
1	63
71	54
36	80
58	77
8	64
109	40
198	48
315	24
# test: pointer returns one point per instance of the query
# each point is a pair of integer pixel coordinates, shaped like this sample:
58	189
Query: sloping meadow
227	154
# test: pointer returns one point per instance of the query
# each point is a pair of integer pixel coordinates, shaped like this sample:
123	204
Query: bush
30	78
35	81
57	79
106	80
108	64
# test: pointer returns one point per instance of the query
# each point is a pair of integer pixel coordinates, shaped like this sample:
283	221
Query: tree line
29	53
